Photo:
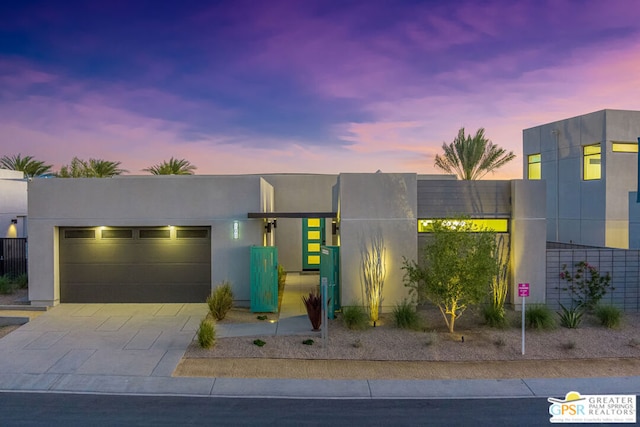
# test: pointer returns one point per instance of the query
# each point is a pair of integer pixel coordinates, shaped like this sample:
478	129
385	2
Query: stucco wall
590	212
621	176
528	242
371	205
214	201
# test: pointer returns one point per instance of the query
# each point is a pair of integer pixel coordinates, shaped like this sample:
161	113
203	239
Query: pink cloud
419	125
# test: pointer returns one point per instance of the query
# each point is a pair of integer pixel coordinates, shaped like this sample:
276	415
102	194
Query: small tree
92	168
457	268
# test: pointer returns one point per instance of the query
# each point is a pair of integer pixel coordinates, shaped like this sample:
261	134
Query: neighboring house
172	238
590	165
13	204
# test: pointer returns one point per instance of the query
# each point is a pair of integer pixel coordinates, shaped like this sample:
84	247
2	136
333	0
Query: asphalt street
54	409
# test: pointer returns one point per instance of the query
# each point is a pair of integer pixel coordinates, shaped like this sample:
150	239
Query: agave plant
570	317
313	303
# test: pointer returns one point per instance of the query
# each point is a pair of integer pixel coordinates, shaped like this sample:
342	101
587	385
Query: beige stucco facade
363	206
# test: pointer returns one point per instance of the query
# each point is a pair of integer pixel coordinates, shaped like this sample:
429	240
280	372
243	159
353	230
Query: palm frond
472	158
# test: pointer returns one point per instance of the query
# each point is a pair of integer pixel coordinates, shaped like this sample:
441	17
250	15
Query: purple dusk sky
316	86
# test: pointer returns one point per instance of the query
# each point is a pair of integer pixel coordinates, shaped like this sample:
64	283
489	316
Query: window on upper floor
534	170
591	162
624	147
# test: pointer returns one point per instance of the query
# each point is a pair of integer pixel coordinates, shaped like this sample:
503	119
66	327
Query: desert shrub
405	316
494	316
220	301
587	285
22	280
432	338
568	345
609	316
570	317
355	317
538	316
206	333
374	271
259	342
6	285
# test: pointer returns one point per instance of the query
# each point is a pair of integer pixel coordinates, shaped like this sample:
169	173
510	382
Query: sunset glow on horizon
311	86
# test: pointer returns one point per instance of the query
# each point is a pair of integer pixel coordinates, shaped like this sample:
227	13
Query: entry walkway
292	319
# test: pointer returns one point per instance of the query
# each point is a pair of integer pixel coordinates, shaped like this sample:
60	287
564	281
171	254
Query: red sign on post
523	290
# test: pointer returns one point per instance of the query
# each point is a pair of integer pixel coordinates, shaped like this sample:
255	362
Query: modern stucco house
590	165
171	238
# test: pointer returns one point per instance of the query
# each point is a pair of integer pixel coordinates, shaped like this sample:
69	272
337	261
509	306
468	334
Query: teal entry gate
264	279
330	270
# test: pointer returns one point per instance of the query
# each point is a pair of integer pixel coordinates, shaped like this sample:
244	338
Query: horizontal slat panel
442	199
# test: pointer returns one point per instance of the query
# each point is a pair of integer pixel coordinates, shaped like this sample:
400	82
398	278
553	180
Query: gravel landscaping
471	342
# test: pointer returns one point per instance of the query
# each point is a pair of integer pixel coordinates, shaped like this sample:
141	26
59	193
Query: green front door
312	238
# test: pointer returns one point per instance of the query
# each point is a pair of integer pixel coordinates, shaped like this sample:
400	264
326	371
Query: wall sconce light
236	230
14	221
271	224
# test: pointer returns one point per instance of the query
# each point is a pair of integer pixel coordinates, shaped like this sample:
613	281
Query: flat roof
292	215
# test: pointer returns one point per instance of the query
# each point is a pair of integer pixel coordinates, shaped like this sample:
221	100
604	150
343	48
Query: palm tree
172	167
26	164
105	169
472	158
93	168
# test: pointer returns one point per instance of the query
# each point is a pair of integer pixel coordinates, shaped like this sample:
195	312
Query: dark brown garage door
139	264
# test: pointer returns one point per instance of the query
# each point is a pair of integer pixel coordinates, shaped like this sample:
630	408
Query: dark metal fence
13	256
622	264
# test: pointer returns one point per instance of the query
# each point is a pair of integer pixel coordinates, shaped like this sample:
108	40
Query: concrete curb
315	389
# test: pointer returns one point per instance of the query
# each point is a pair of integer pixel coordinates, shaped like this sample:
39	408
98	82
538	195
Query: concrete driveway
96	342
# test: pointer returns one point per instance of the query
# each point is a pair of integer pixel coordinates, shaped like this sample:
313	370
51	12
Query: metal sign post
325	321
523	292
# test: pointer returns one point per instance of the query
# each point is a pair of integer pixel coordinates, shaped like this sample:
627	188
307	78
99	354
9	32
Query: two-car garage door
135	264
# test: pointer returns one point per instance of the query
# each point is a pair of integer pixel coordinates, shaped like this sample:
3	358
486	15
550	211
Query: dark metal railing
13	256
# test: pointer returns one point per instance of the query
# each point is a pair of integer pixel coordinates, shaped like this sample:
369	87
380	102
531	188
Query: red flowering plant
587	285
